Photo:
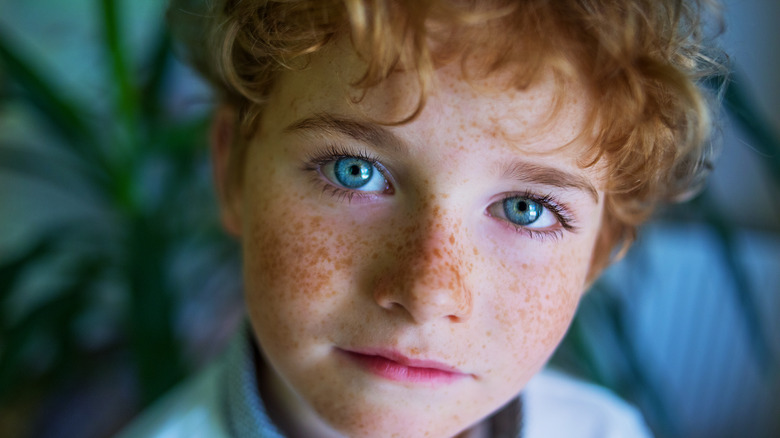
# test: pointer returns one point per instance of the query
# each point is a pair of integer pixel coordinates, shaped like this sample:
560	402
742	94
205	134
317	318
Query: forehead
545	120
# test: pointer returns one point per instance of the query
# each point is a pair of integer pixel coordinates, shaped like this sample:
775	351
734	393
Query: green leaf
11	270
126	96
156	351
53	319
42	167
65	117
158	66
119	65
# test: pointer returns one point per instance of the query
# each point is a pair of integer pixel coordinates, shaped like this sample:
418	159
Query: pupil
522	206
354	170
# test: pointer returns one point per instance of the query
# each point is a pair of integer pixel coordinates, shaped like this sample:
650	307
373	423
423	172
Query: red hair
642	60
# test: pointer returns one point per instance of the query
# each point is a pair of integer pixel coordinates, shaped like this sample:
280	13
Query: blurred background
116	282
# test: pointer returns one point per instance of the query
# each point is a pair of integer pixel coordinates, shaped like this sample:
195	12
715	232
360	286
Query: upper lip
399	357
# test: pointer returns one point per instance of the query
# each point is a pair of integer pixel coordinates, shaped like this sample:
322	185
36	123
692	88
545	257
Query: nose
426	278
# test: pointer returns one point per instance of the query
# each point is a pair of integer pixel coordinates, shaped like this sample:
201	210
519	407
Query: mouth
394	366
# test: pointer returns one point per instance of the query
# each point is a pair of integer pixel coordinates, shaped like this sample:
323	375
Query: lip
392	365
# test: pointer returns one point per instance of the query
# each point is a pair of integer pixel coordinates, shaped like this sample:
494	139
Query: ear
223	138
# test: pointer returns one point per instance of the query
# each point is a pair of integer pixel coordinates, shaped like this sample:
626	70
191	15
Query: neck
289	413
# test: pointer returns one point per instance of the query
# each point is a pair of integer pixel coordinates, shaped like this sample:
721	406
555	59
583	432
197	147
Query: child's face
412	279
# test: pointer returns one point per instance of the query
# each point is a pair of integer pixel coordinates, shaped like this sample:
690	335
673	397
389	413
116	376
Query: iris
522	211
353	172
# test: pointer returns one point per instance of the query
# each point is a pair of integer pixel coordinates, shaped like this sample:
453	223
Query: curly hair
642	60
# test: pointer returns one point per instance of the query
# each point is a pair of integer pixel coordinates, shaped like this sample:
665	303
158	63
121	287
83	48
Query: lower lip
395	371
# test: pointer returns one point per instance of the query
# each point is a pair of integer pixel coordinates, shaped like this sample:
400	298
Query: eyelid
315	161
335	151
332	152
561	212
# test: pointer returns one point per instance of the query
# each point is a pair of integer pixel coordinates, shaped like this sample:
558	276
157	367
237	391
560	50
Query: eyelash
558	209
314	162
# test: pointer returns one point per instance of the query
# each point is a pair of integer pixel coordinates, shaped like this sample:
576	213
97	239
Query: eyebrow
378	136
361	131
549	176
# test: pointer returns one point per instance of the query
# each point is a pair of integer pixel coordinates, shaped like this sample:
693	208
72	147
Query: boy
423	191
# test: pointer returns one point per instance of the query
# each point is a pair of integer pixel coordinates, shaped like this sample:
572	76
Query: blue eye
355	174
526	213
522	211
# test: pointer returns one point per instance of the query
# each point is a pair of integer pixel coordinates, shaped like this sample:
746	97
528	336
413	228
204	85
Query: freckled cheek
301	260
536	307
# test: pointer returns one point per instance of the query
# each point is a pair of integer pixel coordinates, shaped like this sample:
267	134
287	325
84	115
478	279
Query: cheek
536	302
298	260
287	263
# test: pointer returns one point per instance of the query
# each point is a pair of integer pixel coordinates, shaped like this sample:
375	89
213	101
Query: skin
428	269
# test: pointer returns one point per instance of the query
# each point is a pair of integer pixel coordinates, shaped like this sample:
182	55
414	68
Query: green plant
144	171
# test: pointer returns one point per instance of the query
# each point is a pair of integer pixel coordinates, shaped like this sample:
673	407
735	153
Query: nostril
455	318
422	303
462	300
383	299
385	294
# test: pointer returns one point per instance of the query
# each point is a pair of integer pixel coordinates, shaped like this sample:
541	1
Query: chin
364	420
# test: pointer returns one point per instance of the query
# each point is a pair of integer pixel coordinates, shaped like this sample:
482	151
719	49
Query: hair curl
643	61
